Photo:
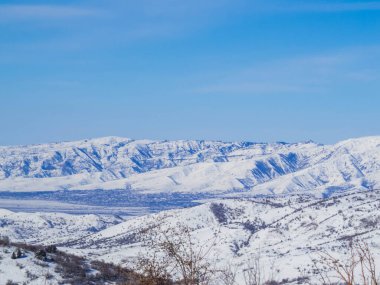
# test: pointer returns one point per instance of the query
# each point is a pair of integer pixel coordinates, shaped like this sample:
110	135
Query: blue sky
258	70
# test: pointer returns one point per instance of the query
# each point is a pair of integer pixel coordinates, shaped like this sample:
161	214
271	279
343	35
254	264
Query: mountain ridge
190	166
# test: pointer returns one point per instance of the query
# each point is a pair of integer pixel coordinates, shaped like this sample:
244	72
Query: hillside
287	233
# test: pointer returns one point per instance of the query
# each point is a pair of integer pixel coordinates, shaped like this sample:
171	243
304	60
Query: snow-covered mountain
287	231
192	166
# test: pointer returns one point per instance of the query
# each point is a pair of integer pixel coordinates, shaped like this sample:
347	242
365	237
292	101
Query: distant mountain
192	166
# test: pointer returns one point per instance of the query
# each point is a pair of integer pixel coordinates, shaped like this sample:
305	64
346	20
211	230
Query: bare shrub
154	268
4	241
41	254
30	275
253	275
77	270
70	267
174	251
254	226
41	263
359	265
220	212
227	276
258	273
51	249
367	265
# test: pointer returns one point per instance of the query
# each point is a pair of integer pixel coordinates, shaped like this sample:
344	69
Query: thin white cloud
25	12
329	7
360	6
302	75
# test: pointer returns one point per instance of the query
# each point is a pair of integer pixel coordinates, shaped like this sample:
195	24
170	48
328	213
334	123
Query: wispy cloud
25	12
170	18
302	75
328	7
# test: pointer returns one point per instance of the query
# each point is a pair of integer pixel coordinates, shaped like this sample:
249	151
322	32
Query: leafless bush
370	222
41	263
30	275
367	265
220	212
48	276
174	251
108	272
154	268
227	275
77	270
253	275
51	249
258	273
254	226
4	240
359	265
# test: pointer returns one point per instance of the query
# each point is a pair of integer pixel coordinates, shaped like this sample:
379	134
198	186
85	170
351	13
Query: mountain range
281	203
146	166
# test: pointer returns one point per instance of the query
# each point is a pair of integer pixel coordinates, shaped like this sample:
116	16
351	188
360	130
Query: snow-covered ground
26	270
51	228
287	232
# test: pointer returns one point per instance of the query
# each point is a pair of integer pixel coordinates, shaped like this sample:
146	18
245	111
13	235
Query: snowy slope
51	228
286	232
26	270
192	166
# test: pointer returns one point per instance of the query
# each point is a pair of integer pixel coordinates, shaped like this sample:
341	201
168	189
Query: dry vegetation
357	268
77	270
173	254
